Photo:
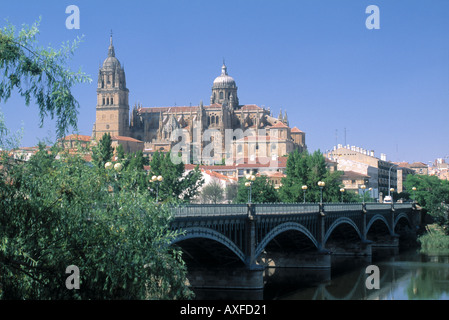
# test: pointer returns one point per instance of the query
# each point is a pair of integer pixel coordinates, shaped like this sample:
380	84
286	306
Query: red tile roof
279	125
121	138
77	137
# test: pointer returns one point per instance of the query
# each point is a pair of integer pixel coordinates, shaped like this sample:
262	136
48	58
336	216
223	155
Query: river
407	275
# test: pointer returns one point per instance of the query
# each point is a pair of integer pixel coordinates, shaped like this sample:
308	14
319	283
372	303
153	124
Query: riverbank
434	241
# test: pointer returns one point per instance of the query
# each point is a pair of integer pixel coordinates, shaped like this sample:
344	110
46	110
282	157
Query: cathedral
254	132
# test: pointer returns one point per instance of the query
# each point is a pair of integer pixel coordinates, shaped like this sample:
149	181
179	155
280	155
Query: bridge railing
340	207
195	210
286	208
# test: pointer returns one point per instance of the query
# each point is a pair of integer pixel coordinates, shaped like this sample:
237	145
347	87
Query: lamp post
342	190
391	190
157	180
371	193
321	184
414	191
304	189
363	187
251	178
389	180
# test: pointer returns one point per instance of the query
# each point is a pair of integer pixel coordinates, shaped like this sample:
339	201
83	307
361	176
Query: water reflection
408	276
405	276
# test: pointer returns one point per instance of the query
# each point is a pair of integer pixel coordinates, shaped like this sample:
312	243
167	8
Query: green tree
231	191
57	213
120	152
103	151
307	169
262	191
40	75
213	192
176	184
432	194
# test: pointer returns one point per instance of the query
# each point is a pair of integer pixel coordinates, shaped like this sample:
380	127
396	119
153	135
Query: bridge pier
360	248
315	260
222	278
386	246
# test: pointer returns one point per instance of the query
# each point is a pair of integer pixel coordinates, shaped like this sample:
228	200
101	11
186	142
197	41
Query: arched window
212	119
107	101
221	94
103	101
112	100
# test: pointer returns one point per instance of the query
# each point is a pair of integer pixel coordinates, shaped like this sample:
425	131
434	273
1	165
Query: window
112	100
221	94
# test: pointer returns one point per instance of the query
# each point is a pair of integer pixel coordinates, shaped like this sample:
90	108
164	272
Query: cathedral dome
111	61
224	80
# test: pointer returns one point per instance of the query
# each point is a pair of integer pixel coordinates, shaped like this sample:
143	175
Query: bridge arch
284	227
375	218
338	222
207	233
400	216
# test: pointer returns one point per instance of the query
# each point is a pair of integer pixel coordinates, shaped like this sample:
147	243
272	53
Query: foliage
432	194
40	75
307	169
176	184
231	192
435	240
262	191
213	192
57	213
8	140
103	151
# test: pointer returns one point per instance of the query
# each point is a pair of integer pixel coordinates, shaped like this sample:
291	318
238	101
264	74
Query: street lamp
321	184
108	165
363	187
389	180
342	190
391	190
157	180
251	178
304	189
414	191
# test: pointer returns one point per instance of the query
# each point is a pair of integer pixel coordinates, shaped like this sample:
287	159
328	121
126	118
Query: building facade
382	174
224	129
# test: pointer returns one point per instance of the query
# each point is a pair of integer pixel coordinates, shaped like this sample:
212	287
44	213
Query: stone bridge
239	241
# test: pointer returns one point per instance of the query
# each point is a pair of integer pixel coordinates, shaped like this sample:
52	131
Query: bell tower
112	112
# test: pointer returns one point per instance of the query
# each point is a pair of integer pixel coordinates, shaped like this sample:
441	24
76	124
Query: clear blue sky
314	58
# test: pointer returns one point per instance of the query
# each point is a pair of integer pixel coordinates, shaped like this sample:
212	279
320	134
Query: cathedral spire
224	69
111	51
